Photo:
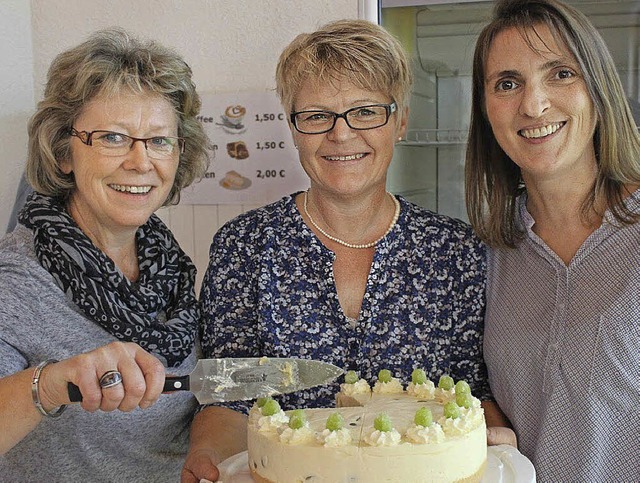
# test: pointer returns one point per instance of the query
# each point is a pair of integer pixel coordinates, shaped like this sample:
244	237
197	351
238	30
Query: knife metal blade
237	379
224	380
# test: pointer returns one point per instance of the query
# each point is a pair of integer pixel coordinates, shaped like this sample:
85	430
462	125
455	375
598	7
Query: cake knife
237	379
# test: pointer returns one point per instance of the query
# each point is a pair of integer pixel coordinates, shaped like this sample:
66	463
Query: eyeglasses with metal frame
359	118
111	143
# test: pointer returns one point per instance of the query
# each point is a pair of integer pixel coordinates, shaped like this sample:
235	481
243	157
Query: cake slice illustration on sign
237	150
234	181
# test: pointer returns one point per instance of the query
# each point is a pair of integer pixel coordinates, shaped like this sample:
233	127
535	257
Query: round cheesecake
448	450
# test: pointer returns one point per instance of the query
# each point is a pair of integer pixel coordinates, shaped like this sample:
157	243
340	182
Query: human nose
138	158
341	130
535	100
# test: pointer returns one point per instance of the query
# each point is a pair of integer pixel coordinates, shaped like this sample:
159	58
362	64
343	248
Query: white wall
232	45
16	97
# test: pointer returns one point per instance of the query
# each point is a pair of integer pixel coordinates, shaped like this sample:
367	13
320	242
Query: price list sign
253	157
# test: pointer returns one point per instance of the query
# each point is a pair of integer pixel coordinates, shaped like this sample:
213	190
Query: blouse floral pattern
269	291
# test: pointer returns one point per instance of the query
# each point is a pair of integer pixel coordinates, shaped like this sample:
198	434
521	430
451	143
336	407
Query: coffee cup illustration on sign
237	150
232	119
234	181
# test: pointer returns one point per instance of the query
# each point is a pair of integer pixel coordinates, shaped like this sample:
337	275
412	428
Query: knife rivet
177	384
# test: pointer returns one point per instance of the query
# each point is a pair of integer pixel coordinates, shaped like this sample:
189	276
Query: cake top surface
385	415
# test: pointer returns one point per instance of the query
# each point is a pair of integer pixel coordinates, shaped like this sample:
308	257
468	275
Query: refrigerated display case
428	165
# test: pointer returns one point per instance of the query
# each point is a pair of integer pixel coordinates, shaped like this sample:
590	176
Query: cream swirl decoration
335	439
394	386
469	420
359	387
424	391
272	423
423	435
383	438
300	436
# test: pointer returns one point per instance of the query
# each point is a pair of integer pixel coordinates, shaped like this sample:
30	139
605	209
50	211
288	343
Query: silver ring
110	379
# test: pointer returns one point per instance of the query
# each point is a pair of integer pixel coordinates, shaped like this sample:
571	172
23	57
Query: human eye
367	111
315	118
318	116
564	73
162	142
505	85
111	138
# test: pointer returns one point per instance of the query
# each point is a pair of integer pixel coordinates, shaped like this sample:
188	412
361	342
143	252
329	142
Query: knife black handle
74	392
171	383
176	383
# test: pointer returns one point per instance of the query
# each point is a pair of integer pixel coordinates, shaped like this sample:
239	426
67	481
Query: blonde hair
109	62
356	50
492	180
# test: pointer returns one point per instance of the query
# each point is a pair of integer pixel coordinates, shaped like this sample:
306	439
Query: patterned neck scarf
159	312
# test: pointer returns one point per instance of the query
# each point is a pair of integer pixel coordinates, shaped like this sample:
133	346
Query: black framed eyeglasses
111	143
359	118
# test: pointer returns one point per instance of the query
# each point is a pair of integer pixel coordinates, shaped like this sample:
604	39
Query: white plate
505	464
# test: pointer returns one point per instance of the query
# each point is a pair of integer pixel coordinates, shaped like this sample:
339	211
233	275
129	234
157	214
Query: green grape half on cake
335	422
462	387
297	418
446	383
385	375
261	400
464	400
423	417
382	423
418	376
351	377
270	407
451	410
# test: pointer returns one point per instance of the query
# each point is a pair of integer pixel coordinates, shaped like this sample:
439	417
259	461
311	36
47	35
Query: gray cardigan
38	322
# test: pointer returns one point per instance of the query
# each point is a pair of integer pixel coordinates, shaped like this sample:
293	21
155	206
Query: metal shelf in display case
435	137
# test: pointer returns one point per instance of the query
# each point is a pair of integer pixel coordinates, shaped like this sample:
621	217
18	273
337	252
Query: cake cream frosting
448	450
425	390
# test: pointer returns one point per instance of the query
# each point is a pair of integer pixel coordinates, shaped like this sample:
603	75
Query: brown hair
360	51
492	180
108	62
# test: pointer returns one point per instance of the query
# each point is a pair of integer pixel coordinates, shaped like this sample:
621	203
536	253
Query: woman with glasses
347	272
95	290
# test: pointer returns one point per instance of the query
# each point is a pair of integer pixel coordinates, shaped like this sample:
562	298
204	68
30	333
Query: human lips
348	157
142	189
542	131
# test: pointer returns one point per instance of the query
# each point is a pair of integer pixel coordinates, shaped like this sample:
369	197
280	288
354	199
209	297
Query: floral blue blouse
269	291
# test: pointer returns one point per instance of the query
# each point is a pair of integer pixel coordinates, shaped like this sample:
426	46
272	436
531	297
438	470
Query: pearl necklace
353	245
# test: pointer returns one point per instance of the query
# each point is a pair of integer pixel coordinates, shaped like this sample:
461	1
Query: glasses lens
362	117
367	117
112	143
312	122
163	147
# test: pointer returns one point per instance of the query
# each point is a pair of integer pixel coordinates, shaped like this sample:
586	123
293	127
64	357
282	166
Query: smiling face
117	194
538	106
345	161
